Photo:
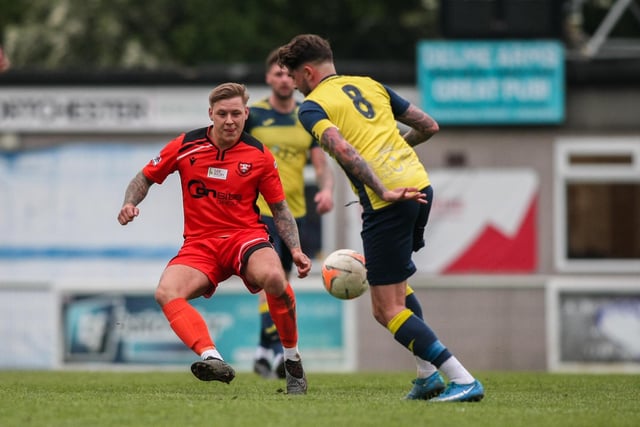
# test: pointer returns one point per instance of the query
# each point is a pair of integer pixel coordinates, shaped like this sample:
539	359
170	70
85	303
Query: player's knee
274	283
162	296
379	315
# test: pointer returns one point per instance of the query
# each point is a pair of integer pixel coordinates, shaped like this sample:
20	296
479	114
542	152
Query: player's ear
307	71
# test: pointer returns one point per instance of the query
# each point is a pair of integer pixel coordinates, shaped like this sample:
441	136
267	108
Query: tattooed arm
135	193
422	125
356	165
285	224
288	231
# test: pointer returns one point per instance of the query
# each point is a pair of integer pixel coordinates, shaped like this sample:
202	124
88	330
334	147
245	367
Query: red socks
283	313
191	328
188	325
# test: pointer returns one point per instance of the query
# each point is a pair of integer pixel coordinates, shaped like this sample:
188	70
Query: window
597	205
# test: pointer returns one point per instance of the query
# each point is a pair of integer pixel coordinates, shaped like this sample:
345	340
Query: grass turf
74	398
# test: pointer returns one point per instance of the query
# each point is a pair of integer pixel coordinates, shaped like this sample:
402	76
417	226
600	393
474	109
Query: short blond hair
228	91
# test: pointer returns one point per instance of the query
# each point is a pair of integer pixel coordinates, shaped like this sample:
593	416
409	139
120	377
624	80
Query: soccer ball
344	275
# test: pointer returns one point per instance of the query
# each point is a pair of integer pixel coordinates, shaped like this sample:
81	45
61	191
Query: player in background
274	121
355	120
222	170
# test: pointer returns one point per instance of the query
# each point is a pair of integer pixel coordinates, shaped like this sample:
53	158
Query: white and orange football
344	274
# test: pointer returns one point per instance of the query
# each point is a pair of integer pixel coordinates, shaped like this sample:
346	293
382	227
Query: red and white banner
482	221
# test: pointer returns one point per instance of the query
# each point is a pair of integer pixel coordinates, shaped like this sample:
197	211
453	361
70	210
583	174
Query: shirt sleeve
165	163
398	104
314	119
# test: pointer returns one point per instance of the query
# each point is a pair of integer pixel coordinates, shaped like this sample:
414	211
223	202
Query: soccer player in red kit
222	171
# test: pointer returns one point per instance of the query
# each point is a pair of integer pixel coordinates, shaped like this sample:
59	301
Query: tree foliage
99	34
161	34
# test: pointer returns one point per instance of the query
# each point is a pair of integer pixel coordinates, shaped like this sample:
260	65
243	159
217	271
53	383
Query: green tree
102	34
88	34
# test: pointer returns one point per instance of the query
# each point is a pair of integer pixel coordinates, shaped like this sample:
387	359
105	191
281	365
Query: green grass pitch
159	398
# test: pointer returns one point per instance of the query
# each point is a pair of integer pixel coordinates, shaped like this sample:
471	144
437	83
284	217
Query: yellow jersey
364	112
290	143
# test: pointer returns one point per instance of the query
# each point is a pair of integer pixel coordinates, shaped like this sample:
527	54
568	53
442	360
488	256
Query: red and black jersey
219	187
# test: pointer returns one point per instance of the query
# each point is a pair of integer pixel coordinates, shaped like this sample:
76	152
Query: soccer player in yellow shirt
354	118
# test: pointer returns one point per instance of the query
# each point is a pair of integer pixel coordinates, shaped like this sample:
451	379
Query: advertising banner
481	221
594	324
492	82
114	110
63	202
130	329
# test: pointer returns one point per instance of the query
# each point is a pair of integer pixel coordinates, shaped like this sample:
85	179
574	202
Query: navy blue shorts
390	236
283	251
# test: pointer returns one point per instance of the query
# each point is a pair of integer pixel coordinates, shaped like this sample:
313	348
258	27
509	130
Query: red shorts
221	257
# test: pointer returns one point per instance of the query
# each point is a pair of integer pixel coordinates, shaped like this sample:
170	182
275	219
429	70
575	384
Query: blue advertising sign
492	82
131	329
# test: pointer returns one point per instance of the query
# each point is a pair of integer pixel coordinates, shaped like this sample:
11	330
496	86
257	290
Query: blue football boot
473	392
426	388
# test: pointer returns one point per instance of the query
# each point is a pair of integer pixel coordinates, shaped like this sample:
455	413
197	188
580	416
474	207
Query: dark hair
228	91
271	59
304	48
